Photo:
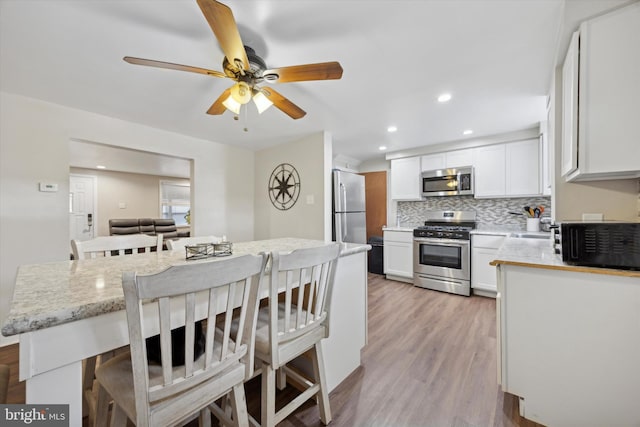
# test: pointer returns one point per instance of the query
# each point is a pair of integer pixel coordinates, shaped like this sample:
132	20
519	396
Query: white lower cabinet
398	255
483	250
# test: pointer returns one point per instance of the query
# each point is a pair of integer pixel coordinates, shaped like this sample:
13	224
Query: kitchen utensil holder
533	224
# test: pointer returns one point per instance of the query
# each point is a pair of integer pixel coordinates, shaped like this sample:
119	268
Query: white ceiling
494	56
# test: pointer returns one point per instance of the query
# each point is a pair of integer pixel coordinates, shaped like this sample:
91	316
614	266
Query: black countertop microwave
447	182
601	244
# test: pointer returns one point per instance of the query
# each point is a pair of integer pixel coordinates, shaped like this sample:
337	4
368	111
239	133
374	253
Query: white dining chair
159	395
297	322
179	244
105	246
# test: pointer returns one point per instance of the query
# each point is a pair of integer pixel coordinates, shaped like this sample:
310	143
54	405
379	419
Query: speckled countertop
538	253
51	294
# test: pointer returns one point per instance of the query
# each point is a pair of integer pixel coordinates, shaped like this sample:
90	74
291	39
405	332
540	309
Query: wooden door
375	184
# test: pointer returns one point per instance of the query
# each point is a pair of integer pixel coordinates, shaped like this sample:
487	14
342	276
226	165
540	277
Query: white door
82	217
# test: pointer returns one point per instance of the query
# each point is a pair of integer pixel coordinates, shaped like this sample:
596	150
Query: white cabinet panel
522	168
489	173
570	107
459	158
398	255
601	98
405	179
432	162
483	250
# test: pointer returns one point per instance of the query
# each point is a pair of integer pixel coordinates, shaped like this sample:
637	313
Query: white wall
34	140
311	157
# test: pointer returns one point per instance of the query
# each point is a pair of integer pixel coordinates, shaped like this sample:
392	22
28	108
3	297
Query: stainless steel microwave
601	244
447	182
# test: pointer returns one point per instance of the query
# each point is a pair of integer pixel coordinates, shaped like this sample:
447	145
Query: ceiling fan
249	71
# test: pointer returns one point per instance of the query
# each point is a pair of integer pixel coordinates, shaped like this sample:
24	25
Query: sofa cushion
123	226
147	226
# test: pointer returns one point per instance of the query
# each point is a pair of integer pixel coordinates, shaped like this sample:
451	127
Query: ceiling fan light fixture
232	105
241	92
261	101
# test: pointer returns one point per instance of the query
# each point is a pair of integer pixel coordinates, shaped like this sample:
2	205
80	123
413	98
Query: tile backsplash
488	211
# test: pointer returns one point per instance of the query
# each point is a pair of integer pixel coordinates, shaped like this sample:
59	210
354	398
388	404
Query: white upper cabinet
448	159
508	170
522	168
459	158
405	179
431	162
601	98
489	171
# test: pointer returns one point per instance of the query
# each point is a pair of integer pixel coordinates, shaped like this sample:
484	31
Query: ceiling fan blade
217	108
282	103
171	66
223	24
299	73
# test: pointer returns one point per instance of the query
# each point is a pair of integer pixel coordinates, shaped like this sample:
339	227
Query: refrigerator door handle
343	197
343	230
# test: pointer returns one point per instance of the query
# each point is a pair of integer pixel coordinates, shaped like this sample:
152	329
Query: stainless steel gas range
442	253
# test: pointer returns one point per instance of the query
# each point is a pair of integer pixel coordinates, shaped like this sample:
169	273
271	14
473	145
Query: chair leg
102	408
323	395
281	379
204	419
118	417
88	369
268	400
239	406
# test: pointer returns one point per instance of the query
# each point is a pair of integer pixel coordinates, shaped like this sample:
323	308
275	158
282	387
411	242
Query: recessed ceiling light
382	148
467	132
444	97
392	129
100	167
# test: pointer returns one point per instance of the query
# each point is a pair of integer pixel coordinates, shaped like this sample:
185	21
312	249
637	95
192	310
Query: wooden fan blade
217	108
223	24
282	103
299	73
169	65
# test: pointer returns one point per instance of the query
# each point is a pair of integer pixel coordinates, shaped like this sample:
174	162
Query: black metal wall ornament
284	186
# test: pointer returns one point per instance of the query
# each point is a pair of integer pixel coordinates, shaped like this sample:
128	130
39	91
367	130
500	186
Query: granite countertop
538	253
59	292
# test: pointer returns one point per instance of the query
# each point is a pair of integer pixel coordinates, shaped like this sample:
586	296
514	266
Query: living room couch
148	226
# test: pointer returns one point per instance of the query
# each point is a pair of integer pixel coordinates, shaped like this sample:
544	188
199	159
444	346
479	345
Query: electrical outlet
48	187
592	217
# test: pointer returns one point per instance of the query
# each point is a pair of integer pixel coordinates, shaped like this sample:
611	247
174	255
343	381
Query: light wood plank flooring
430	361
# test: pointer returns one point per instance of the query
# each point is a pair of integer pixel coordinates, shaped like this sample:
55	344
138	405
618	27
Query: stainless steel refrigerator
349	217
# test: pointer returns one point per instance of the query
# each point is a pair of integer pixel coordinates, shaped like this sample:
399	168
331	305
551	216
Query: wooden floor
430	361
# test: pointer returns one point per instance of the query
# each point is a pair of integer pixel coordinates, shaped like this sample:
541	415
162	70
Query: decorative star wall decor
284	186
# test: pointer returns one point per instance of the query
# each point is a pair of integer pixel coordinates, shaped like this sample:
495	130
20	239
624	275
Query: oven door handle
442	242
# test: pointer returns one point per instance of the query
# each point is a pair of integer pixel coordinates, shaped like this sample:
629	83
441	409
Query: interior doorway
375	184
82	206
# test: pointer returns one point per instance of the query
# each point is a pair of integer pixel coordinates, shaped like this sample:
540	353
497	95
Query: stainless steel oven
441	252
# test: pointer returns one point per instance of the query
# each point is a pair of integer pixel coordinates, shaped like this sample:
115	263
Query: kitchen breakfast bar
68	311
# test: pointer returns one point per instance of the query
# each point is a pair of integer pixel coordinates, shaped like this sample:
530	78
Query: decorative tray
208	250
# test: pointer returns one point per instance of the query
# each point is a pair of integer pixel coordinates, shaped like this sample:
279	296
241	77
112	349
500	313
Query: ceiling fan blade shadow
283	104
217	107
171	66
223	24
300	73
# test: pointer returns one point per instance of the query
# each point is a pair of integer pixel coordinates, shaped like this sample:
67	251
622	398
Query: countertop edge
576	269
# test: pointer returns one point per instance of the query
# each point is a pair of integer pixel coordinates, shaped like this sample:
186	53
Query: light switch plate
48	187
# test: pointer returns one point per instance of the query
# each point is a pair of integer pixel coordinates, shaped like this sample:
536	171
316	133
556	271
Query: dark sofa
146	226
